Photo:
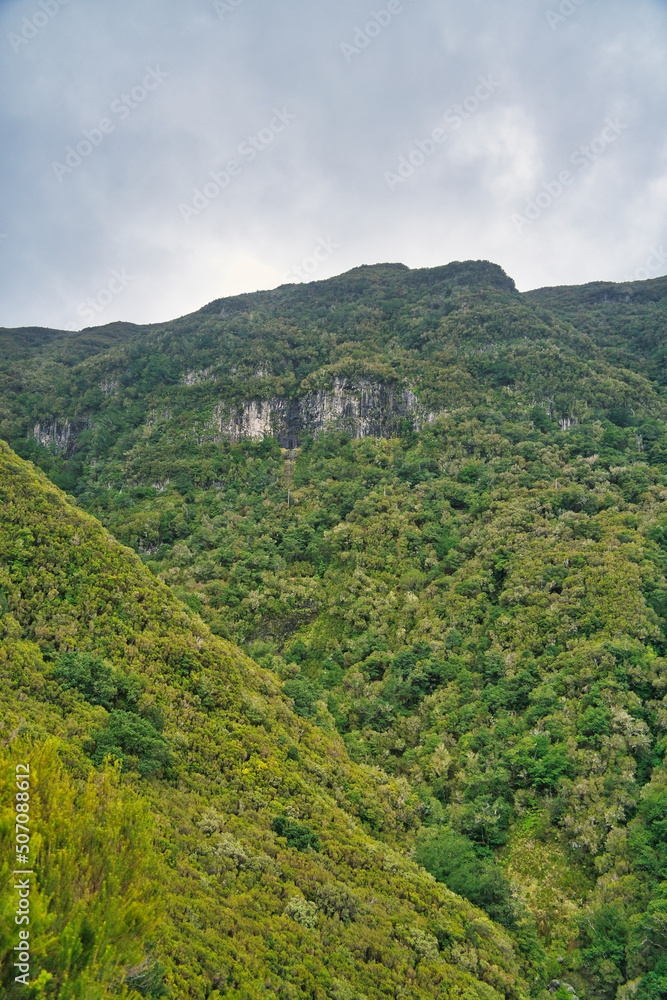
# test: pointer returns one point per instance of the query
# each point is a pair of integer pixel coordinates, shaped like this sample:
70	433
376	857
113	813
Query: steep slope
483	608
434	509
627	322
372	352
276	865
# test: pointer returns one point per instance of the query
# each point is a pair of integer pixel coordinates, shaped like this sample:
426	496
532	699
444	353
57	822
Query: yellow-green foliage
245	913
95	892
473	606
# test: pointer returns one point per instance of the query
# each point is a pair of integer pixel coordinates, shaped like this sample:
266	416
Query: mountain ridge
465	592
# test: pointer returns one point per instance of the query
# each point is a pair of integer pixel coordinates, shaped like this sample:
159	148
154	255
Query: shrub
454	859
300	910
297	835
134	741
335	899
90	675
98	681
303	694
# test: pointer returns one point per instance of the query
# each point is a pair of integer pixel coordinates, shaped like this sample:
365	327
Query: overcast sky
158	154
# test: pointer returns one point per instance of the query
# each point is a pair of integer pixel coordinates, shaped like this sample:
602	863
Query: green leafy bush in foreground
95	897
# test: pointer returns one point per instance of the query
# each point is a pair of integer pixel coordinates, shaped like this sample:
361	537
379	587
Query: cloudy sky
158	154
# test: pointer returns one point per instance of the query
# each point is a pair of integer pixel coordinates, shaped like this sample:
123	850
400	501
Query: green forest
364	699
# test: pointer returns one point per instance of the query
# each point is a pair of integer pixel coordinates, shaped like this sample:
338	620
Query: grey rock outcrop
59	434
362	409
557	984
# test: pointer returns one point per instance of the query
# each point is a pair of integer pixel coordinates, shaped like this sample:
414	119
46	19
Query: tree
135	742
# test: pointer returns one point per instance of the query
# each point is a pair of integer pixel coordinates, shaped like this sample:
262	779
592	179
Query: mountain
240	853
430	510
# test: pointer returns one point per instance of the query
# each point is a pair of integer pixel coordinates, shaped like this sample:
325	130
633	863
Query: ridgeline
361	584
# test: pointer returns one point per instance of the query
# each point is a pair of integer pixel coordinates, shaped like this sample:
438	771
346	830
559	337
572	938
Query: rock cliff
362	408
60	434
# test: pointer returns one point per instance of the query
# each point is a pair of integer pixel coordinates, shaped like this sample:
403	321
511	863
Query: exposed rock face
59	434
365	409
197	377
557	984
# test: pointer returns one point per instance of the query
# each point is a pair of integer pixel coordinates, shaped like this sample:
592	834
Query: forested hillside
239	853
433	511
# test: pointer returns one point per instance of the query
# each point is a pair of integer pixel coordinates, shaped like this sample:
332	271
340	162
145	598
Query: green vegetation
214	861
96	898
297	835
133	741
469	871
458	628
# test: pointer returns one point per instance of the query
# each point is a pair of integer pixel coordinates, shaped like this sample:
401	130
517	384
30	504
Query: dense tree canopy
460	626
